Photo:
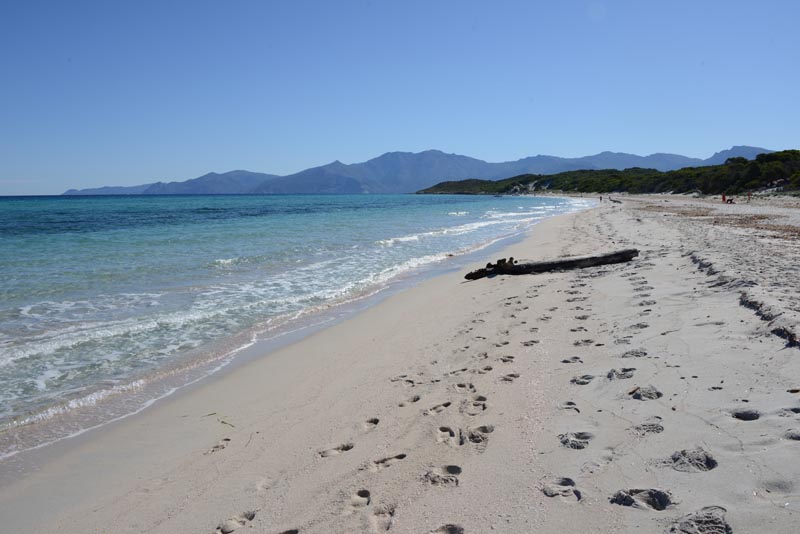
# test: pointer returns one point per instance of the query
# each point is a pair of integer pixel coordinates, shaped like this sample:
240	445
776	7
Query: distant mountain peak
407	172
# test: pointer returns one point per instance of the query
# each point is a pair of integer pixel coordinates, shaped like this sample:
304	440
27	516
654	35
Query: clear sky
122	93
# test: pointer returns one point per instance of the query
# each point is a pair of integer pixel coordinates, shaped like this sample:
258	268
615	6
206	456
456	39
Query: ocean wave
394	240
91	399
498	219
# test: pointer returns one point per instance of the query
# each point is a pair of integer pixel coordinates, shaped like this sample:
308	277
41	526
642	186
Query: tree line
780	170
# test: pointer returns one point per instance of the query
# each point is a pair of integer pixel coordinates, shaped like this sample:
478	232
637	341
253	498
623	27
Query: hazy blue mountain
620	160
400	172
749	152
407	172
228	183
323	180
110	190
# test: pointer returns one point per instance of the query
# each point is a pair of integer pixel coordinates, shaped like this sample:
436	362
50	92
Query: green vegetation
736	176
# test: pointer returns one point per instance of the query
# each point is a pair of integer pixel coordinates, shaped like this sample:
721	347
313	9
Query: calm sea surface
107	303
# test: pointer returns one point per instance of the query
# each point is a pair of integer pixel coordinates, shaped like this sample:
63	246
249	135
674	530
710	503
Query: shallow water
102	297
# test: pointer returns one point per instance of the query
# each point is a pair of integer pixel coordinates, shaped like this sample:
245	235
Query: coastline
116	396
301	447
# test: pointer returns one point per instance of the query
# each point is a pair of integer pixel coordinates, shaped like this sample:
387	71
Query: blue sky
121	93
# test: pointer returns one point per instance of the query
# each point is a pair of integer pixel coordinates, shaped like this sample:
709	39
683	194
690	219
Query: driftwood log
510	266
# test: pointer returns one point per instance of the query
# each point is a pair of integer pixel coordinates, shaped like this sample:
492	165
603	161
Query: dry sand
654	396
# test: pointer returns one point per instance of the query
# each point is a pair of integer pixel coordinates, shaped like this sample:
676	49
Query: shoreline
470	384
139	393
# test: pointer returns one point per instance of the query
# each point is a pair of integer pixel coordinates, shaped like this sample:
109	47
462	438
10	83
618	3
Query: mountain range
407	172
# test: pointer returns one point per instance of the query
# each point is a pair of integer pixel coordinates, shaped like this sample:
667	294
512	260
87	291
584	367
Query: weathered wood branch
510	266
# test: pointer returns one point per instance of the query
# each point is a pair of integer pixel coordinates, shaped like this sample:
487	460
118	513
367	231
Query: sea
109	303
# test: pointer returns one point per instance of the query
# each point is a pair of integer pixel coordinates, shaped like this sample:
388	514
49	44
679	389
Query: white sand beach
659	395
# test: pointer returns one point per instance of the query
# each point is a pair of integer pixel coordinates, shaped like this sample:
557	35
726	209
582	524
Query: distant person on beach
749	196
723	197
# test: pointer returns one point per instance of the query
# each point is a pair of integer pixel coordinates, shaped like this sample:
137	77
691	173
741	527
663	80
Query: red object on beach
723	197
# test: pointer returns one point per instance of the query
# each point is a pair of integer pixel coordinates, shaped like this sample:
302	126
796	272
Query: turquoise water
102	297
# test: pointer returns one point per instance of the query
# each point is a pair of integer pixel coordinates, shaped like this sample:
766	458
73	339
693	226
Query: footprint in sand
483	370
621	374
581	380
645	393
455	437
562	487
509	377
575	440
746	415
474	406
335	450
383	463
506	359
410	400
290	531
581	317
583	342
404	379
569	405
382	518
437	409
221	444
479	436
358	501
464	388
572	359
650	426
235	522
708	520
792	434
371	423
450	436
448	529
690	461
635	353
530	343
446	476
645	499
